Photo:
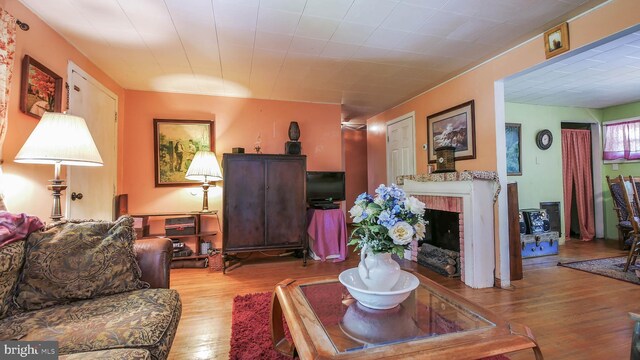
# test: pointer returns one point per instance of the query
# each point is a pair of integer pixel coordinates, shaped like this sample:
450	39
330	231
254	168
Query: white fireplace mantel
477	208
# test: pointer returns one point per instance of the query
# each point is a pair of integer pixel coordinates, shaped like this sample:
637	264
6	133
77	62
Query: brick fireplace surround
471	194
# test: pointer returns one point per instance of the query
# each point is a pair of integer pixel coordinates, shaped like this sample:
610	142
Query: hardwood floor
573	314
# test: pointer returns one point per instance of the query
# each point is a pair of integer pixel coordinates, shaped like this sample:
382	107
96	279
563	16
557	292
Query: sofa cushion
72	261
11	260
145	319
116	354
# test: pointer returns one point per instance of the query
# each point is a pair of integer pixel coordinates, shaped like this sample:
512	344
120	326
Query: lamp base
57	186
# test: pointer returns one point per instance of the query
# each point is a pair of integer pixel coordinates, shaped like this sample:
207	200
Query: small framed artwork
175	144
514	156
556	40
453	127
40	89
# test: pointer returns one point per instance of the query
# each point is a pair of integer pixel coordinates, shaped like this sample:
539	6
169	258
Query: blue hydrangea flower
387	219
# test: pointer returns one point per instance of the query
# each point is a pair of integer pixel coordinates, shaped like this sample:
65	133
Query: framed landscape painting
513	137
453	127
175	144
40	89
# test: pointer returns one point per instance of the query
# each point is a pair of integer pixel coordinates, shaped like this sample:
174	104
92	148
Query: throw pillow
72	261
11	259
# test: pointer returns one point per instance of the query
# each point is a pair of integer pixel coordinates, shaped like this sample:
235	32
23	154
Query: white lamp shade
60	138
204	167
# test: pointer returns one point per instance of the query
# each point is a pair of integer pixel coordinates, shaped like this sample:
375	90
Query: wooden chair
630	192
620	207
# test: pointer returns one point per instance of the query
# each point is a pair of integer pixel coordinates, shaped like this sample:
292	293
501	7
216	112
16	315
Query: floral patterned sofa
90	286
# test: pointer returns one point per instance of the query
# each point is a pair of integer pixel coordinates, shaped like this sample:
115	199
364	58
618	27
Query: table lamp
204	167
59	139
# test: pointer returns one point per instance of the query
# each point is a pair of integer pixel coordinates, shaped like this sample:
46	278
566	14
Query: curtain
622	141
7	53
576	170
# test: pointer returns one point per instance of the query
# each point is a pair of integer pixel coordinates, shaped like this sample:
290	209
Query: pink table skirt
328	229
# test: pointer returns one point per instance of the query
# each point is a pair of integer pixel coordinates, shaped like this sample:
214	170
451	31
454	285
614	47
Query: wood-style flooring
573	314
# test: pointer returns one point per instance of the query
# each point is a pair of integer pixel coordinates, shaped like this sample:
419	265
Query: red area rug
250	332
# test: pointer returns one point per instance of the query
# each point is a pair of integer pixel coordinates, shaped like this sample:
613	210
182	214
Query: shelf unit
198	234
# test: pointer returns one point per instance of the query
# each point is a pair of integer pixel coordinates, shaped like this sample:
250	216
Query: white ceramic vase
378	271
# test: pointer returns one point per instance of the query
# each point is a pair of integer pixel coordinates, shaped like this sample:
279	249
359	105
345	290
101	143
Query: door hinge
387	138
115	117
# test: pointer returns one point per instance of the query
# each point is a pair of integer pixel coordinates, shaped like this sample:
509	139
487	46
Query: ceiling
600	77
367	55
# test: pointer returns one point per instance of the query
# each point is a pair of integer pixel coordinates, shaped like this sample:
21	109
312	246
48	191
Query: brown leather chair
154	258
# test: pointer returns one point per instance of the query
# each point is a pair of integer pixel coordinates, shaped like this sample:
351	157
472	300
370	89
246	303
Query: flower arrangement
388	222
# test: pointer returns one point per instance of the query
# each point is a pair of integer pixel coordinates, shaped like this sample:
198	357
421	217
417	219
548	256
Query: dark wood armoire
264	204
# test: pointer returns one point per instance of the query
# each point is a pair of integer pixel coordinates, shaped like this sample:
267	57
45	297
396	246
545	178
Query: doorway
91	100
577	173
401	147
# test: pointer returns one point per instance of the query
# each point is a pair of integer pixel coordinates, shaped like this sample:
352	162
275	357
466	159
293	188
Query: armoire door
244	196
286	201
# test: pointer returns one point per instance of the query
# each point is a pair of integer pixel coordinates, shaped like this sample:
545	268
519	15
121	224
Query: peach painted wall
478	84
237	124
355	164
25	185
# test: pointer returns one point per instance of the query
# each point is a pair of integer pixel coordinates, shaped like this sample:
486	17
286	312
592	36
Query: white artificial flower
414	205
401	233
356	213
378	200
420	230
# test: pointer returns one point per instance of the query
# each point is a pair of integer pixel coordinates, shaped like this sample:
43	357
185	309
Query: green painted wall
626	111
541	178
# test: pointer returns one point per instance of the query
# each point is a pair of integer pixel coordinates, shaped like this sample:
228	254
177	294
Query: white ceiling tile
277	21
332	9
386	39
307	45
370	12
316	27
235	14
352	33
338	50
406	17
431	4
273	41
296	6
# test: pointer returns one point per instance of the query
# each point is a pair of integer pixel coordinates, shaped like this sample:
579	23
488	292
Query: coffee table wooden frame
310	340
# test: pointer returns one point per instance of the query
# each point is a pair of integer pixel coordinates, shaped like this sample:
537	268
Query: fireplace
440	249
470	195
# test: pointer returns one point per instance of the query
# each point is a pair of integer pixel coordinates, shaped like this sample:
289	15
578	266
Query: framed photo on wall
175	144
453	127
556	40
514	157
40	89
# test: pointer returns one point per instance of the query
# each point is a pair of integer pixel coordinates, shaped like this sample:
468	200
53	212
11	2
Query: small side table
327	230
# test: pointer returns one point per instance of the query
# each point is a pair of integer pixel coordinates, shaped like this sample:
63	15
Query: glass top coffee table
324	321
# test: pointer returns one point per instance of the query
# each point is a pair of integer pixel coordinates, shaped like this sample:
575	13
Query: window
622	140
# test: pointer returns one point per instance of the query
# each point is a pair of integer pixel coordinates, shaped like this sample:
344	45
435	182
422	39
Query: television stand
325	205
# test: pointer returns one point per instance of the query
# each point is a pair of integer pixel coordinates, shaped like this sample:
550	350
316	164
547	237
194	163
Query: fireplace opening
442	229
440	249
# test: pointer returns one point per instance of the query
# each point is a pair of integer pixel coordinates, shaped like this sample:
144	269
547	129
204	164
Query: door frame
73	67
596	174
411	116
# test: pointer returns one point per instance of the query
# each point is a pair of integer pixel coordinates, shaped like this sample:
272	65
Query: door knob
75	196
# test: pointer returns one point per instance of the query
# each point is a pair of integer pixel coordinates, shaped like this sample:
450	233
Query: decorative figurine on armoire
293	147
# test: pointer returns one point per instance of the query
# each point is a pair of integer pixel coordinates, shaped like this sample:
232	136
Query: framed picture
514	157
453	127
175	144
40	89
556	40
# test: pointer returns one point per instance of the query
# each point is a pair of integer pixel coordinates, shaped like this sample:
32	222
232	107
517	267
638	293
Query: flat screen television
325	186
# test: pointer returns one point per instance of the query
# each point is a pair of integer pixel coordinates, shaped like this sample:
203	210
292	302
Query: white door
401	147
99	107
